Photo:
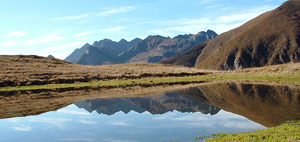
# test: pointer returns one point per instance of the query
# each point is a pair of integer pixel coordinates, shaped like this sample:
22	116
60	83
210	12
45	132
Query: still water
181	115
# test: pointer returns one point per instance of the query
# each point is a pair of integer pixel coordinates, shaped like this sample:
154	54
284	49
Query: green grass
211	77
107	83
288	132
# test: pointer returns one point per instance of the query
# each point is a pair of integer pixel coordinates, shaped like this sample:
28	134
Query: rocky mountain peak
152	49
123	41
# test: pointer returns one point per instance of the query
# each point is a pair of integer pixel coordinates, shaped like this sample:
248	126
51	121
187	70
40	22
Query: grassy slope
271	38
34	70
31	69
288	132
211	77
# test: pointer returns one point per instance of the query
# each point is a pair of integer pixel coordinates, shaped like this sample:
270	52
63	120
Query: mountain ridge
102	48
155	48
152	49
154	104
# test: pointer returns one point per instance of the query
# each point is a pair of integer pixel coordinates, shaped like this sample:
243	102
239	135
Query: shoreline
148	81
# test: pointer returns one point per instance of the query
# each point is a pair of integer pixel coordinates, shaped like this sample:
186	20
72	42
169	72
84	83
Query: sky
58	27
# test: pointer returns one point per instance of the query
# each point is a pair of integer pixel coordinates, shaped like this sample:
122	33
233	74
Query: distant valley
152	49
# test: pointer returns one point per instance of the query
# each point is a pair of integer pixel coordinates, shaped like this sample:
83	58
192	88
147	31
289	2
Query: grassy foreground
156	80
288	132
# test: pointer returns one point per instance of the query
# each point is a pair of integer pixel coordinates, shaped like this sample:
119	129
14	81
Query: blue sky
58	27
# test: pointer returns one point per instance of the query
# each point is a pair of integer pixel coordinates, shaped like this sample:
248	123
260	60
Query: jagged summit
152	49
100	52
154	104
155	48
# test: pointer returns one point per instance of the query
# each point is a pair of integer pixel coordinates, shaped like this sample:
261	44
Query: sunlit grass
288	132
209	77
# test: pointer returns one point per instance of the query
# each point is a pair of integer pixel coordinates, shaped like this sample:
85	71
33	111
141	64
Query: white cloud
17	34
116	10
62	47
119	124
58	122
115	29
117	140
49	38
12	36
8	43
219	24
132	20
166	116
224	9
214	6
205	1
83	34
236	17
76	139
241	125
87	122
192	118
186	29
162	32
22	128
12	120
223	120
72	17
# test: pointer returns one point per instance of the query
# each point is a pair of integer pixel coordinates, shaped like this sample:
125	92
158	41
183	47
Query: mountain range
100	52
152	49
271	38
155	104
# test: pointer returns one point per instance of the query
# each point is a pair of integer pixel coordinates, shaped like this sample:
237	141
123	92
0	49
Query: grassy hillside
269	39
34	70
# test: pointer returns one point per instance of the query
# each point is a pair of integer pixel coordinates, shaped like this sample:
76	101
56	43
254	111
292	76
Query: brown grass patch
34	70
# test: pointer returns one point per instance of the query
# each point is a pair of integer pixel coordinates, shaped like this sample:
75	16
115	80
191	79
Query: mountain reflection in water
136	114
155	104
268	105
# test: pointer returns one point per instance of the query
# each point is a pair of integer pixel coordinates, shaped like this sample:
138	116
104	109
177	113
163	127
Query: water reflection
155	104
135	114
269	105
24	103
74	124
